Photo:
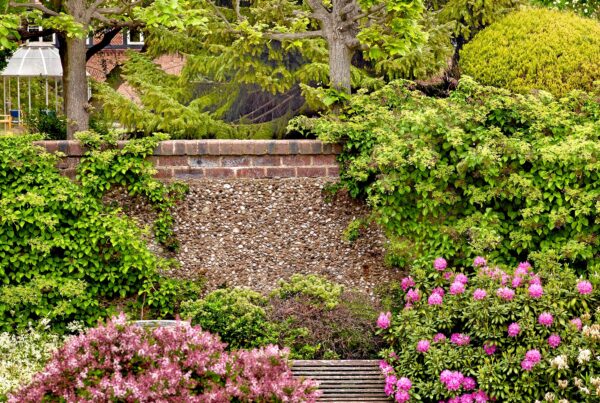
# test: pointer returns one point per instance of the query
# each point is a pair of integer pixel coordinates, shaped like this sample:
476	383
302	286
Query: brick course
188	159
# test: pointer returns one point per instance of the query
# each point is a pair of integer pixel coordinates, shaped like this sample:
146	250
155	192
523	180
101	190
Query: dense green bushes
481	171
309	314
61	249
537	49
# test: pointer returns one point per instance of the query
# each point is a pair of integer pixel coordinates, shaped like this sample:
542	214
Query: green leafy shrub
537	49
61	249
48	123
309	315
318	290
238	315
105	165
481	172
493	333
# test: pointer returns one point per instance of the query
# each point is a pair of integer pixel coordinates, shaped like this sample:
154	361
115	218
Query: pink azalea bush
121	362
493	335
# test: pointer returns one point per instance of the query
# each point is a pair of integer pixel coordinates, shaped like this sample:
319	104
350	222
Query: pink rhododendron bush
484	333
126	363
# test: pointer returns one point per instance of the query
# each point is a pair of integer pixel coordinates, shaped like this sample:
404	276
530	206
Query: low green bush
481	332
483	171
537	49
308	314
317	289
238	315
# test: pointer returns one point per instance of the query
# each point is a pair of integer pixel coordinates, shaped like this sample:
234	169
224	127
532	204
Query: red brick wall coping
187	159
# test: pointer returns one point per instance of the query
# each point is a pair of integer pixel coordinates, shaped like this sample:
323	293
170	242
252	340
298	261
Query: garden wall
188	159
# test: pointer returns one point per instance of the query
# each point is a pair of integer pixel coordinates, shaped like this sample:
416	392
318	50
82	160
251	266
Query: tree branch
25	34
290	36
371	11
104	42
34	6
116	10
319	12
220	14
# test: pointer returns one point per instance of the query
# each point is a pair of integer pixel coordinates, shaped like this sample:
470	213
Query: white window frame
130	42
32	28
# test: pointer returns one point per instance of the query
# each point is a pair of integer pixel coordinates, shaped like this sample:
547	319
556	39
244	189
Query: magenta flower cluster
585	287
121	362
460	339
489	349
532	357
476	397
514	329
407	282
554	340
479	294
399	388
479	262
545	319
440	264
384	320
423	346
505	293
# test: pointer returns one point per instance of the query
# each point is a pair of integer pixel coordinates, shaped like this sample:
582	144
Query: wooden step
344	380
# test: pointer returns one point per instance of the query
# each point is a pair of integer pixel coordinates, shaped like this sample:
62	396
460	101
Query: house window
42	39
135	37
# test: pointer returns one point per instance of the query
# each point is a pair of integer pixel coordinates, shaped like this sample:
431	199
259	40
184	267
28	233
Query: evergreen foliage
537	49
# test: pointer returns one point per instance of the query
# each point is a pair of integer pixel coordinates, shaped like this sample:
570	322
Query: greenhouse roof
34	60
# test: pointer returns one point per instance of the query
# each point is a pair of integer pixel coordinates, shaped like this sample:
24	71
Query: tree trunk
340	61
75	85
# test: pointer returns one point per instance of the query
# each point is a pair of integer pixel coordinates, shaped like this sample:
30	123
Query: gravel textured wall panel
191	159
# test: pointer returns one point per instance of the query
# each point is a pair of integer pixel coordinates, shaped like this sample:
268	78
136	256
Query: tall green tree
72	21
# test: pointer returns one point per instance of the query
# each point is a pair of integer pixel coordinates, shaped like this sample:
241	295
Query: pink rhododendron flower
521	272
440	264
533	355
535	280
505	278
407	282
452	379
505	293
527	365
423	346
385	368
384	320
479	294
577	323
438	290
466	398
545	319
445	376
525	265
516	282
448	275
401	396
480	396
435	299
460	339
413	295
469	383
439	337
514	329
404	384
554	340
390	382
457	288
479	261
489	349
584	287
461	278
535	291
